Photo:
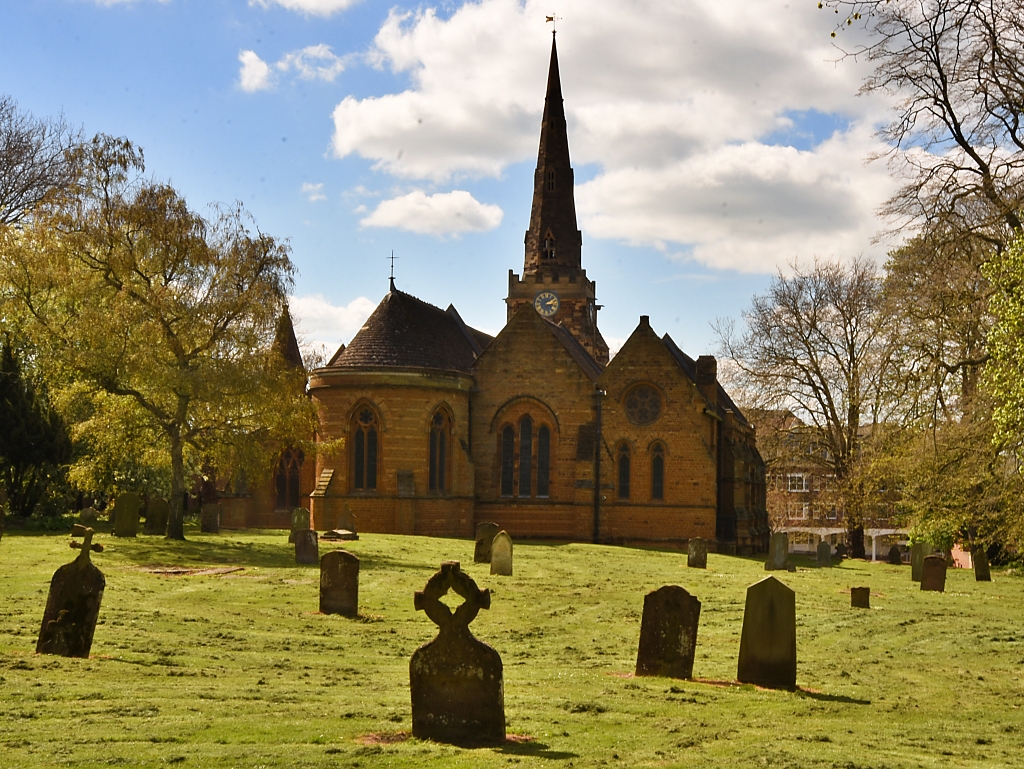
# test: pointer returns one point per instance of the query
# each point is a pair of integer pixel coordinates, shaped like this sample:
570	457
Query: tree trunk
855	541
176	518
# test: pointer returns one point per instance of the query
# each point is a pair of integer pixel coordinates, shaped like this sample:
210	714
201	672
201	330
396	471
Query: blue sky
709	151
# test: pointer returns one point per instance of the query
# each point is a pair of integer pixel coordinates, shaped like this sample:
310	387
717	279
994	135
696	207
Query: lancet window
440	450
365	449
287	478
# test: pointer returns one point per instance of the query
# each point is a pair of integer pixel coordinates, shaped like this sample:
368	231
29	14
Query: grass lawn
239	669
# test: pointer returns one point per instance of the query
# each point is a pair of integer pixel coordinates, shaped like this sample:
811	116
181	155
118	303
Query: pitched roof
689	367
406	332
577	351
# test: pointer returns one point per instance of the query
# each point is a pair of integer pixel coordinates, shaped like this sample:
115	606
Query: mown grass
239	670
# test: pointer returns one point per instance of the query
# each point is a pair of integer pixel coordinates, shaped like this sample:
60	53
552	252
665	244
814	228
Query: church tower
553	280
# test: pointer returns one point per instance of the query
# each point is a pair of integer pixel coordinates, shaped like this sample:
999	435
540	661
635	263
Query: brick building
430	426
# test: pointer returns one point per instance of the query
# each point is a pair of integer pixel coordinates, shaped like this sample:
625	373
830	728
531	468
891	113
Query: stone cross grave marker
307	547
209	518
300	522
157	515
73	605
860	597
933	573
768	643
982	572
778	553
895	557
697	553
126	514
339	583
824	555
668	633
501	554
456	681
484	537
918	551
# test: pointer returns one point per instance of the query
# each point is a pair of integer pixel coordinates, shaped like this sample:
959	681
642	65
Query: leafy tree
133	294
1004	375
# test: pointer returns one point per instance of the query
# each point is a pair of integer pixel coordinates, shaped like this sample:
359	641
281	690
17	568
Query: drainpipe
598	394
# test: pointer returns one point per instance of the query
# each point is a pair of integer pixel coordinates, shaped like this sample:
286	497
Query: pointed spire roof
285	342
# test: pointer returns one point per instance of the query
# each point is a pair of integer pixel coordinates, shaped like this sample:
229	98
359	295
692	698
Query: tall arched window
543	461
657	471
287	479
622	462
440	441
508	460
549	245
525	456
365	431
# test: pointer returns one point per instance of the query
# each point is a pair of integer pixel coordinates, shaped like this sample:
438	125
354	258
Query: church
429	426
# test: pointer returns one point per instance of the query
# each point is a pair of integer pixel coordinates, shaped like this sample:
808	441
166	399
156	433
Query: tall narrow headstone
982	572
209	518
697	554
860	597
668	633
126	514
300	522
456	681
484	537
156	516
307	548
339	583
933	573
824	555
501	554
895	557
918	551
778	553
768	643
76	590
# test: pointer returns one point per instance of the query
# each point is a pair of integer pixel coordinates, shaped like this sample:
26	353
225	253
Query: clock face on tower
546	303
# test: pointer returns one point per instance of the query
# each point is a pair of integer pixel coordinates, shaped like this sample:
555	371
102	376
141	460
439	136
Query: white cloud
255	74
314	192
308	7
322	324
444	213
314	62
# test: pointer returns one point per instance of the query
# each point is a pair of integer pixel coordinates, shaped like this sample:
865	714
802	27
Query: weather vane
554	22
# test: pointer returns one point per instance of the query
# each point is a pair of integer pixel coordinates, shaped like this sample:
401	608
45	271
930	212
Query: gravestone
668	633
697	555
209	518
979	555
87	515
860	597
841	551
456	681
307	548
339	583
126	514
300	522
484	536
768	643
895	557
346	520
918	551
156	517
778	553
933	573
501	554
824	555
73	605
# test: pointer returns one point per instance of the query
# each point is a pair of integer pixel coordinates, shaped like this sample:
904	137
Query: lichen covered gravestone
768	643
87	515
933	573
307	548
668	633
778	553
697	553
982	572
209	519
73	605
895	557
918	551
501	554
339	583
824	555
485	533
300	522
157	515
126	514
860	597
456	681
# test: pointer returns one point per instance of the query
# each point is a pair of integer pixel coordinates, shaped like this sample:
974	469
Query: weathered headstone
73	605
895	557
697	554
768	643
841	551
778	553
300	522
209	518
157	515
456	681
982	572
307	548
484	536
824	555
860	597
933	573
918	551
339	583
501	554
668	633
87	515
346	520
126	514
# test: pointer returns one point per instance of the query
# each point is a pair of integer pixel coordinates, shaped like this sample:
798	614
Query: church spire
553	239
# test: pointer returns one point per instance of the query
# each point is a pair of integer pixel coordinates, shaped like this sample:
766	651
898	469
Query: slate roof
578	352
689	367
406	332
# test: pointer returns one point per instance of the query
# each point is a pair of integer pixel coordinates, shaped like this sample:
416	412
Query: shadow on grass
534	749
821	697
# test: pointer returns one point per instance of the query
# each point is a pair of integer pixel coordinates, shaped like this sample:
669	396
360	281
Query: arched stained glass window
543	461
658	472
440	441
508	460
365	428
287	478
525	456
622	462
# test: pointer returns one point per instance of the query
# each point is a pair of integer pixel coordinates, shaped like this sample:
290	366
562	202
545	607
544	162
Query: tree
129	291
818	345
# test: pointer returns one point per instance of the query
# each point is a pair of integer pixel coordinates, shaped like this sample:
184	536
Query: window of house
440	441
658	472
508	460
642	404
543	461
799	510
287	479
622	462
365	429
798	482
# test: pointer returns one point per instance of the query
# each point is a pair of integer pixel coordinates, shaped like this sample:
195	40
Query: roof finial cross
392	278
554	22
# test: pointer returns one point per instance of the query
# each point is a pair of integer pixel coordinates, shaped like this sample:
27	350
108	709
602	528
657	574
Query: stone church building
431	426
